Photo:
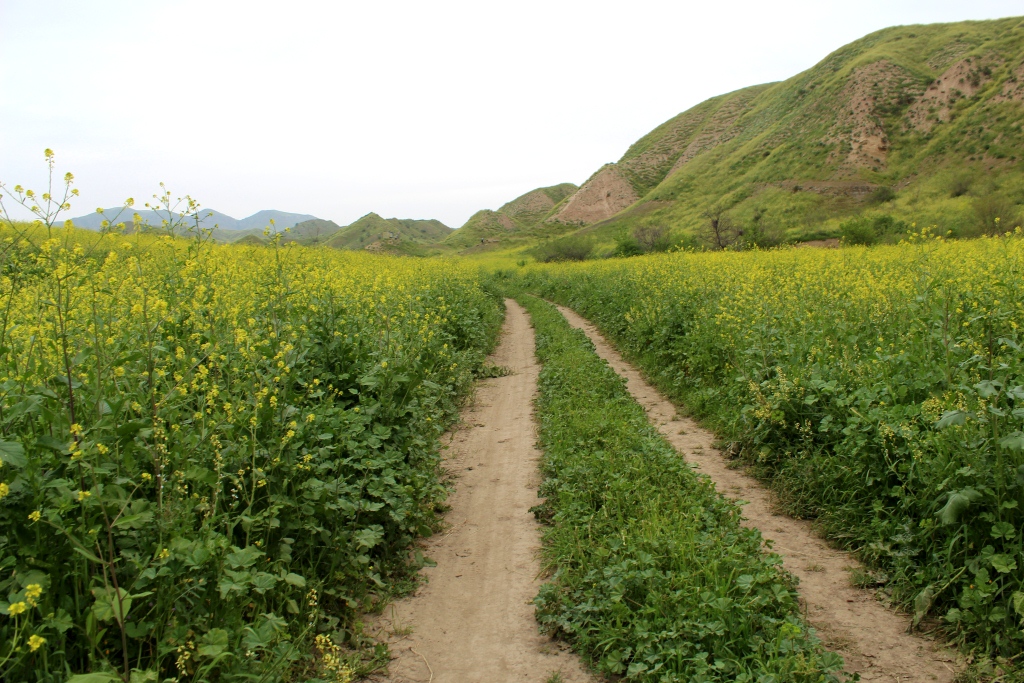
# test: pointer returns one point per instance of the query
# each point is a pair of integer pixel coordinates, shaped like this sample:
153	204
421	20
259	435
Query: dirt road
872	639
473	621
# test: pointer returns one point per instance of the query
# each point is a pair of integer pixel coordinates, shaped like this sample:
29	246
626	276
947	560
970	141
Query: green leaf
1017	600
134	521
107	605
1015	441
295	580
213	643
12	453
1003	530
956	505
140	676
988	388
1004	564
228	585
96	677
87	555
201	474
60	622
263	582
368	538
923	603
244	558
950	418
131	428
47	441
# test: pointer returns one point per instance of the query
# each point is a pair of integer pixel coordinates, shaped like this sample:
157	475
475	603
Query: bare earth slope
521	219
473	621
873	641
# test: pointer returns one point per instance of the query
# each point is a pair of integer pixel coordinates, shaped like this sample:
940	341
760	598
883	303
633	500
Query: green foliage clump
644	239
655	578
572	248
880	390
872	230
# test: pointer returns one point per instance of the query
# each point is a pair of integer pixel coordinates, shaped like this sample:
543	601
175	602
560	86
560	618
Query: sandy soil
473	621
601	197
873	640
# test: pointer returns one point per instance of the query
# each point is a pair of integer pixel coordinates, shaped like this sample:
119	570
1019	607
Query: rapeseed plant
880	390
195	437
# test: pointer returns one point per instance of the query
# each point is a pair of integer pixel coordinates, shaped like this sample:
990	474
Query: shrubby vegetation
880	390
881	228
654	576
572	248
213	457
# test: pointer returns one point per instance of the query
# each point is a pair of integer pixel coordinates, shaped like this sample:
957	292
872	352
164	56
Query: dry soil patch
473	620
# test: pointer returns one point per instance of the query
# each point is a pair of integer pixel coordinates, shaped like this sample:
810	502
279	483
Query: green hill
919	123
403	235
313	231
522	218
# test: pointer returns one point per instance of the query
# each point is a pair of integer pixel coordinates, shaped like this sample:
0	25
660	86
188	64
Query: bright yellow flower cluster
183	383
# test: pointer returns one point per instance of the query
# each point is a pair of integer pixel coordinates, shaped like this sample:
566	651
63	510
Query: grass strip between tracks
654	577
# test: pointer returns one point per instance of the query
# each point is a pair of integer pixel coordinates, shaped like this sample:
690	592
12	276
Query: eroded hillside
922	122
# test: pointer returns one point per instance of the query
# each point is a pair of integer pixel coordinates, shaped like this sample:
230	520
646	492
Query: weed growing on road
654	578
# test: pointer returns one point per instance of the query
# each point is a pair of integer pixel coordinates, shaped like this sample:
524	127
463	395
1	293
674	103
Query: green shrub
866	231
572	248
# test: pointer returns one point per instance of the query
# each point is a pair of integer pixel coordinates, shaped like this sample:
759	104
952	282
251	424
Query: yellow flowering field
213	457
880	390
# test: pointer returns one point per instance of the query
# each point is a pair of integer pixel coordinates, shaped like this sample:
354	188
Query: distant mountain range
209	218
371	232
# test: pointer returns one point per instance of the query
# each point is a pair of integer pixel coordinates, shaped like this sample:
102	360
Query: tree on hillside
718	231
761	233
652	237
995	214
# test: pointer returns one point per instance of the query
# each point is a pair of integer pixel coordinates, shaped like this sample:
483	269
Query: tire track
873	640
473	620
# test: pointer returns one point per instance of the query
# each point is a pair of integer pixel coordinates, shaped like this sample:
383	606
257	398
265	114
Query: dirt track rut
473	621
873	640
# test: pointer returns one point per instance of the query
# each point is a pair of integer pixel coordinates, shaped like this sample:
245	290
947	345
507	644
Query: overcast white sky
410	109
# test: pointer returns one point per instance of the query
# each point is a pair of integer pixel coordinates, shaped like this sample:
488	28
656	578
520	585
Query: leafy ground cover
880	390
214	457
654	578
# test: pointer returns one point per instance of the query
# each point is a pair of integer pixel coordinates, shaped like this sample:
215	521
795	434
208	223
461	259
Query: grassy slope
313	232
393	233
521	219
749	149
